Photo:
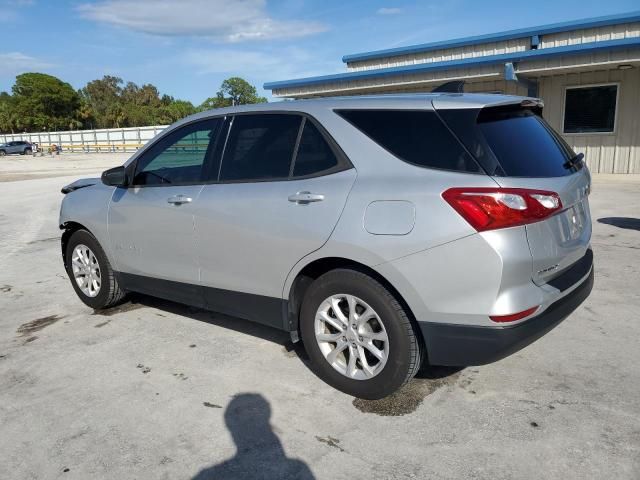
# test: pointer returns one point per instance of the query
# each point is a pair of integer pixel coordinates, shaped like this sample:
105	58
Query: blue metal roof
494	37
453	64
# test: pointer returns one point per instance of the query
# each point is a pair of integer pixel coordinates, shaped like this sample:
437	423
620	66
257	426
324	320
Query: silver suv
382	231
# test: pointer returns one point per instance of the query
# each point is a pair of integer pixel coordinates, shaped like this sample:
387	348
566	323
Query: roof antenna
456	86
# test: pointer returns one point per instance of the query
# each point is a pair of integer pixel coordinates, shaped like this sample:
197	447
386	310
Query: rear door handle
303	198
179	199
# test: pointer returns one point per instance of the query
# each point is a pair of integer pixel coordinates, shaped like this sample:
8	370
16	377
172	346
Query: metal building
586	71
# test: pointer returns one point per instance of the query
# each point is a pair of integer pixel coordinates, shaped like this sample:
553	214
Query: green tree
103	96
43	102
176	110
116	116
85	114
233	91
7	115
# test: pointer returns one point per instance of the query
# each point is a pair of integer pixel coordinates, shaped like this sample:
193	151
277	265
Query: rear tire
2	153
387	351
90	272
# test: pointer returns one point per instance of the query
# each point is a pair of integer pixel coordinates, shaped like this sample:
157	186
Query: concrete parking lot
156	390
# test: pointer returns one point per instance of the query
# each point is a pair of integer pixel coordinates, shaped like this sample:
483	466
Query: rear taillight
492	208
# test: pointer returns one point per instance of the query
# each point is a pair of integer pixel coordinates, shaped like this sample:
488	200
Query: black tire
28	151
2	153
110	293
405	347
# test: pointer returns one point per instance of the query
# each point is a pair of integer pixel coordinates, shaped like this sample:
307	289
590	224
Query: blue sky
187	47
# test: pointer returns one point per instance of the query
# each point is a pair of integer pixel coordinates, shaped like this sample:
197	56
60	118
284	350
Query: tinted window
179	157
590	109
260	147
523	143
314	154
417	137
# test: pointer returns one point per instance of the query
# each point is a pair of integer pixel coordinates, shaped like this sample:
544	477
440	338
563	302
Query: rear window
512	141
416	136
524	144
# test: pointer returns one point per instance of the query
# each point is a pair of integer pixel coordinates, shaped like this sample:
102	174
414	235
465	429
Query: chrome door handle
179	199
303	198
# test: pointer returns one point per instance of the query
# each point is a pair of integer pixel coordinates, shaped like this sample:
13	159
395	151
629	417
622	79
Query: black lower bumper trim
575	272
466	345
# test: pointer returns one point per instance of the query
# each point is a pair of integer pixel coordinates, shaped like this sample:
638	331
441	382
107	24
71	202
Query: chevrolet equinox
382	231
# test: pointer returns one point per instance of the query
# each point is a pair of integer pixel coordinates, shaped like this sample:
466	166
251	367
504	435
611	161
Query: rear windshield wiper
574	161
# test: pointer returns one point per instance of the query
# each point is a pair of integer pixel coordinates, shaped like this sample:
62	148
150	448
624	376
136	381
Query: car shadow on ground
225	321
427	372
429	378
628	223
259	453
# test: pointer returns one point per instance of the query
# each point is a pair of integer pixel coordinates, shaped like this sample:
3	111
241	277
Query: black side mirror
115	177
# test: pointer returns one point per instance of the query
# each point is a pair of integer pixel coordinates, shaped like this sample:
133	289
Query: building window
590	109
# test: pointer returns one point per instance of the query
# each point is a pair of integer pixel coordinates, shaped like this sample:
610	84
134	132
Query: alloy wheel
351	336
86	270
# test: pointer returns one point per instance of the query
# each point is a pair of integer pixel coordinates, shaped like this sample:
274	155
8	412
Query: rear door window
260	147
415	136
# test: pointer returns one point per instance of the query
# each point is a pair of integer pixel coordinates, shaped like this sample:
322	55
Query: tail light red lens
493	208
514	316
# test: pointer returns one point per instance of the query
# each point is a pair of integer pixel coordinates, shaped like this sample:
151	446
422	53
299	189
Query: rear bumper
466	345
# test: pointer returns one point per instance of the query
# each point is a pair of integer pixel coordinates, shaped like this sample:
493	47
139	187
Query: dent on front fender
88	207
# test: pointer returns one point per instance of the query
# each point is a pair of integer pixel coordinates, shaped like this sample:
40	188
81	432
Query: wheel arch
68	229
320	266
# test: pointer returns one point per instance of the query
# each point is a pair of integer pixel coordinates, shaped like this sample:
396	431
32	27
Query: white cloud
266	66
389	11
258	67
13	63
231	21
8	9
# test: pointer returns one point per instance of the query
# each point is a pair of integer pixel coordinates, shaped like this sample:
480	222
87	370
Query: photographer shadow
259	452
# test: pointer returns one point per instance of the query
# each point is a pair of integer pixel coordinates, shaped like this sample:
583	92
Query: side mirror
115	177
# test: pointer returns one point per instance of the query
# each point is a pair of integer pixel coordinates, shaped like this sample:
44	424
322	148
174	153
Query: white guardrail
103	140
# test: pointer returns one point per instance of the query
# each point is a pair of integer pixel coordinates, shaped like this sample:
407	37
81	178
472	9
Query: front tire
28	151
357	335
90	272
